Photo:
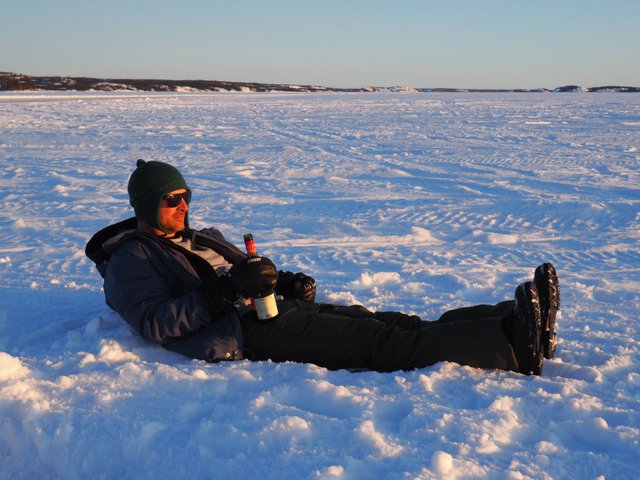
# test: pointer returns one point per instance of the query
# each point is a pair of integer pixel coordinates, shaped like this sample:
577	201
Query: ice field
411	202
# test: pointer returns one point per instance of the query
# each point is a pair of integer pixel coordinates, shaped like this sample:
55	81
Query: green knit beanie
149	182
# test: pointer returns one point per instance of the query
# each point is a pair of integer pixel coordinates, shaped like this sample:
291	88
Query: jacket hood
100	247
97	248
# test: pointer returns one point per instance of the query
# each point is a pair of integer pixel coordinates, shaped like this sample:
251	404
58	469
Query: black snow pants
352	337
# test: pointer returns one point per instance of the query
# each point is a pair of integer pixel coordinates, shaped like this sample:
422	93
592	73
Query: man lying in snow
186	290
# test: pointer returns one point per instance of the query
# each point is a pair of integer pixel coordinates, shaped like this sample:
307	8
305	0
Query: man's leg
413	322
398	319
502	309
305	333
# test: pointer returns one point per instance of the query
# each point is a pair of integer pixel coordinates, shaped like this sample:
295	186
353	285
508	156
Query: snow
413	202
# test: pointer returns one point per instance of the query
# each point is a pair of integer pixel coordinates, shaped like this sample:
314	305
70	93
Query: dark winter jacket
166	293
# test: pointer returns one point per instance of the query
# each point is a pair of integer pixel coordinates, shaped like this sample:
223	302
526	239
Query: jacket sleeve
142	294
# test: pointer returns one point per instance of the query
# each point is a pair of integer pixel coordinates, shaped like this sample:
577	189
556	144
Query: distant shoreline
19	82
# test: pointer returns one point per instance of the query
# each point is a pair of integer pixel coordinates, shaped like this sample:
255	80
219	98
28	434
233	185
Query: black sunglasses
173	199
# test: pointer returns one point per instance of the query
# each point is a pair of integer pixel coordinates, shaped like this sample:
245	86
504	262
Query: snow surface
416	202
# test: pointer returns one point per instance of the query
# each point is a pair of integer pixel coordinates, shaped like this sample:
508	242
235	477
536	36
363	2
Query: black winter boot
527	329
546	280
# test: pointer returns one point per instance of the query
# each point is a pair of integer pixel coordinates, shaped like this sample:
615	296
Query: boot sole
546	280
528	329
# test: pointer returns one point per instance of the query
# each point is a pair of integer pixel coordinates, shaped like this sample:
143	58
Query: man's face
172	218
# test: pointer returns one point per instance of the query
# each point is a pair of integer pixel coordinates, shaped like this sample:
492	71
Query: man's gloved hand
296	286
253	276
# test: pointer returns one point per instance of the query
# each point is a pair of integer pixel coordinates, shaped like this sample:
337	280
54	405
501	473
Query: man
187	290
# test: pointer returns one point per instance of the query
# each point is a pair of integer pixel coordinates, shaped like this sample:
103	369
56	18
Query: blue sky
339	43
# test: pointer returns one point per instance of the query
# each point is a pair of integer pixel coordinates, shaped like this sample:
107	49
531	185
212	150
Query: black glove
296	286
253	276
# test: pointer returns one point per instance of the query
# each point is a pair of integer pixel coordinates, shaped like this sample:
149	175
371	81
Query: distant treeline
20	82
